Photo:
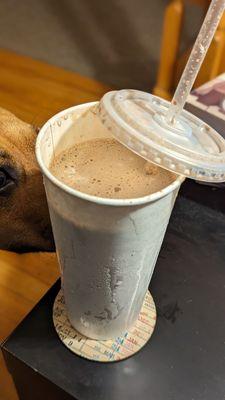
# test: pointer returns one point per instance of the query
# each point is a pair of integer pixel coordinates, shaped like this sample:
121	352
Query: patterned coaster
105	350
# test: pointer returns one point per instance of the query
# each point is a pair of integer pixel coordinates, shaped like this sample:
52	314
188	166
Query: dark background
114	41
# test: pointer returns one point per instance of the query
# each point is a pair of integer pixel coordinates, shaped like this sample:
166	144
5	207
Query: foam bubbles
105	168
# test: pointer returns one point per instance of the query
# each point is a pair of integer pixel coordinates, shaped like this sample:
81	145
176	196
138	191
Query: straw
196	58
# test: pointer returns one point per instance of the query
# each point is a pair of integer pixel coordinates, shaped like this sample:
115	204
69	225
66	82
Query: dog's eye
6	181
3	179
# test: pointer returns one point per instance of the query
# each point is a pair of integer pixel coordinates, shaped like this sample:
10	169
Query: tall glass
107	248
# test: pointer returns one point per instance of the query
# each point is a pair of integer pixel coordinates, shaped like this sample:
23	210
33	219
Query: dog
24	218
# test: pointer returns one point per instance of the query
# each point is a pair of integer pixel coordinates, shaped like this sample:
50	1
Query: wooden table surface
34	91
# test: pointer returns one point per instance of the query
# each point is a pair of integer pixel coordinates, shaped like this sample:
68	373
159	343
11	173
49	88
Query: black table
185	358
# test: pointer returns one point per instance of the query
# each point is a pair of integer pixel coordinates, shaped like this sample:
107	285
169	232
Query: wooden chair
171	63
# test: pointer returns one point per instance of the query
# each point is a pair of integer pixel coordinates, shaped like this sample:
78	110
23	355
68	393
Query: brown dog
24	217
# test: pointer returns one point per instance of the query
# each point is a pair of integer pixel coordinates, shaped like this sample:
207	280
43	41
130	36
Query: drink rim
84	196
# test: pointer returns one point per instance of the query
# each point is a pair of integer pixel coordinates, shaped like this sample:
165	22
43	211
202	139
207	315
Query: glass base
118	349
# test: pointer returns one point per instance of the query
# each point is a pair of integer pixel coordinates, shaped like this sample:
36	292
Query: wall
115	41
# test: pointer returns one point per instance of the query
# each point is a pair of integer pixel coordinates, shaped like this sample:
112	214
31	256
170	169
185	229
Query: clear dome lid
187	147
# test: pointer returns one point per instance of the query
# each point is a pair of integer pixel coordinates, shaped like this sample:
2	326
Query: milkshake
109	210
105	168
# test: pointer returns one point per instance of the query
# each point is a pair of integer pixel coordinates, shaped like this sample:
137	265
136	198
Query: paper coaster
105	350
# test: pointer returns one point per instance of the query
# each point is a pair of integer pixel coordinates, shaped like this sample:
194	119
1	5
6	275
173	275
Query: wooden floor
34	91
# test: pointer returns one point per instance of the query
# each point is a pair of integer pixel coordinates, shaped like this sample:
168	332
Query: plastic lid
189	147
